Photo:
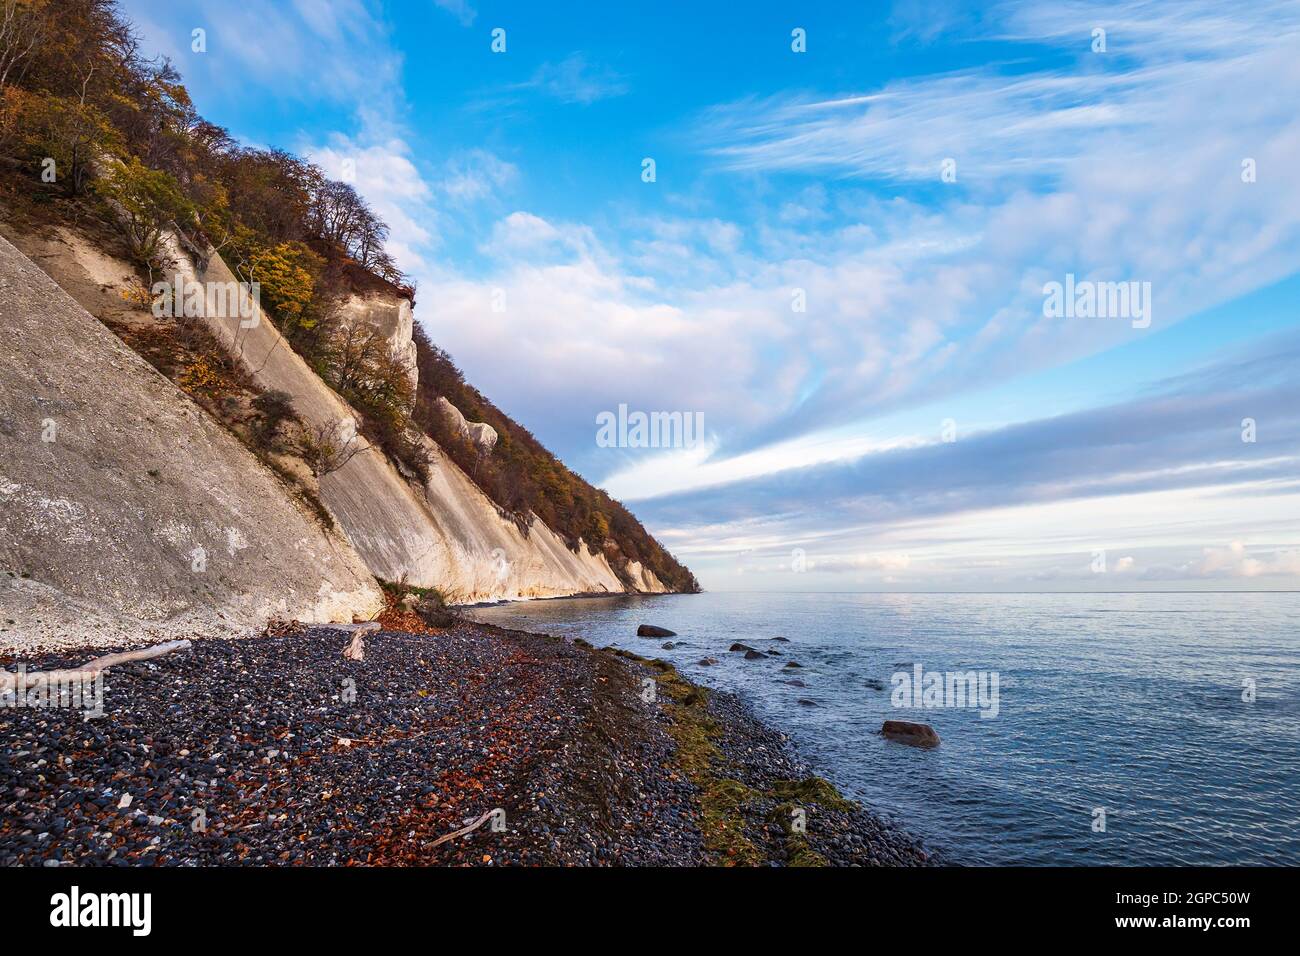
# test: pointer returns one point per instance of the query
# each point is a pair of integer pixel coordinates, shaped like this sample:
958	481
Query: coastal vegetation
728	806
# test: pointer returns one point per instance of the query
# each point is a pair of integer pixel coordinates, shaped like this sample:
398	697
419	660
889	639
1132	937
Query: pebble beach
469	745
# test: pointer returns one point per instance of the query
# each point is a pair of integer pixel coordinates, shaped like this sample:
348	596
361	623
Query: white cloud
1235	562
522	232
476	175
587	334
690	470
1025	546
861	562
335	51
1116	105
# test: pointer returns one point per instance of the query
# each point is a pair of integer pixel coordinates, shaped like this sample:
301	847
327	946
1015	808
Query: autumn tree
364	368
65	131
23	25
287	275
148	202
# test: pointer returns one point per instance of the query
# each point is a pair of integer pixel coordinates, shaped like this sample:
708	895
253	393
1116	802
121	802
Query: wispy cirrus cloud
306	51
462	10
576	80
476	175
1007	120
1169	471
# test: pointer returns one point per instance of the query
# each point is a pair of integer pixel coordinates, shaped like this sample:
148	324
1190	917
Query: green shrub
149	201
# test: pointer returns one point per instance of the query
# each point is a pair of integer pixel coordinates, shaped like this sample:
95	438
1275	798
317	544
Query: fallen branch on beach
9	681
356	649
463	830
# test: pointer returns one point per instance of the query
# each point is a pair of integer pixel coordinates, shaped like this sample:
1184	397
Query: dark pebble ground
266	744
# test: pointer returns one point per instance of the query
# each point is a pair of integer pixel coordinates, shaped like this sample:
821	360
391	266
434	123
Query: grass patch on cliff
400	589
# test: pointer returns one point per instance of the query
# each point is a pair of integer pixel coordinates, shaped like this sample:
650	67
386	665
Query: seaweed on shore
727	805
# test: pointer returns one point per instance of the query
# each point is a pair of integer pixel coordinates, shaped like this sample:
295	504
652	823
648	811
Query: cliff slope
326	387
440	531
126	512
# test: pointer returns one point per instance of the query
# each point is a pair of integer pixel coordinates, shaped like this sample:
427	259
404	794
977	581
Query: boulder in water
650	630
906	732
754	655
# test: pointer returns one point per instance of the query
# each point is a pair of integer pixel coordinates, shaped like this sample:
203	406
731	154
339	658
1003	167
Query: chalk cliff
443	532
392	316
482	435
126	512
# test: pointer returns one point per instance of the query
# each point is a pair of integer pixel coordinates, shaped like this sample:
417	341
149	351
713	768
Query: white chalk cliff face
643	579
482	435
127	514
446	533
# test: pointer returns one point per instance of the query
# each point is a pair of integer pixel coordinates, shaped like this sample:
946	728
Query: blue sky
826	465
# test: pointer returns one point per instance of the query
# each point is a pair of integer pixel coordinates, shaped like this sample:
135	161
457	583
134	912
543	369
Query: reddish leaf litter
278	750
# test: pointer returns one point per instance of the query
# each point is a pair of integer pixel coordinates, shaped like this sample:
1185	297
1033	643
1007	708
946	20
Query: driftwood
463	830
356	649
9	682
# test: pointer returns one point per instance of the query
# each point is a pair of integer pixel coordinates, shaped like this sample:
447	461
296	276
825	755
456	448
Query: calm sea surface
1132	703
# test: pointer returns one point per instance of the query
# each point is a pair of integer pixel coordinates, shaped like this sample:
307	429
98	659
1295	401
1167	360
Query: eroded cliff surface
126	512
443	532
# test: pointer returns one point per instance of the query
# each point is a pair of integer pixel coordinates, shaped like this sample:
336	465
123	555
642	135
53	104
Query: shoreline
576	596
289	754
